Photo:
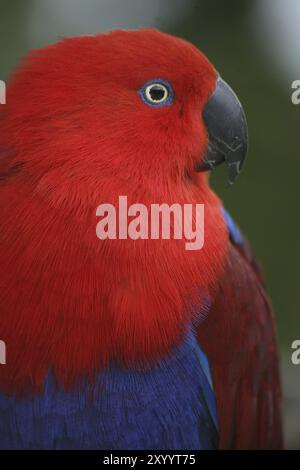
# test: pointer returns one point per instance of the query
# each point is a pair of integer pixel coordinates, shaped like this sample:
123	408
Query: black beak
227	131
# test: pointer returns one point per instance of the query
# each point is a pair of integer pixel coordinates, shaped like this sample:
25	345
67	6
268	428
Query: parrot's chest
170	406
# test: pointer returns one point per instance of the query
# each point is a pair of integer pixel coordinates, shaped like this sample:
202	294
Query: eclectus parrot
127	343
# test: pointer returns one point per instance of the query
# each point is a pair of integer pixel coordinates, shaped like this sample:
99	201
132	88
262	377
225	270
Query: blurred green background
255	46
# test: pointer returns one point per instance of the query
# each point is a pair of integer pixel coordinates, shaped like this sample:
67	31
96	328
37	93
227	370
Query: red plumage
80	135
75	134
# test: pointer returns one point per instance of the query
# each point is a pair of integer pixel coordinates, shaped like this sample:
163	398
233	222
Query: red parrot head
136	102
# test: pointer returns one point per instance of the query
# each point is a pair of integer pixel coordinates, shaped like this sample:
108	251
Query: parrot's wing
239	339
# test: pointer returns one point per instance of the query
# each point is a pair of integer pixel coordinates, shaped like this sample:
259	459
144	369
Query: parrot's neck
83	302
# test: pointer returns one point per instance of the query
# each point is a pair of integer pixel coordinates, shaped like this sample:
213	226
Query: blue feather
234	231
170	406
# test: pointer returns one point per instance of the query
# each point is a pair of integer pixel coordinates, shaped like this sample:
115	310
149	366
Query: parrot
127	343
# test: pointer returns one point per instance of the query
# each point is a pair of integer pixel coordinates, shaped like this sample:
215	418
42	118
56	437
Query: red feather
240	341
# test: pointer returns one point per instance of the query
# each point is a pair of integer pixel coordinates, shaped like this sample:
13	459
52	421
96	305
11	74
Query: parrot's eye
157	93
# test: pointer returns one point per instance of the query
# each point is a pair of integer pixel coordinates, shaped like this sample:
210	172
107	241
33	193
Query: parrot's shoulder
240	243
234	231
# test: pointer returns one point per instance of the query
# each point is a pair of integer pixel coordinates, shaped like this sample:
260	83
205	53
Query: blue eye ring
157	93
